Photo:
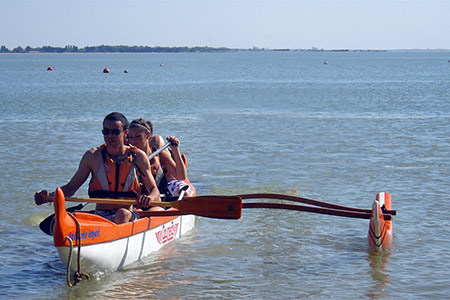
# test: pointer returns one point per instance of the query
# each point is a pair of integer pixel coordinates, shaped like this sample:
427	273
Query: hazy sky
295	24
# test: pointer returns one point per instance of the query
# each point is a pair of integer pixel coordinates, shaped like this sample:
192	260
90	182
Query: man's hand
40	197
144	201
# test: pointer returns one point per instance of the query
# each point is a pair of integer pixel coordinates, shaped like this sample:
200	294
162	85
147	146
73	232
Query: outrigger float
380	228
101	245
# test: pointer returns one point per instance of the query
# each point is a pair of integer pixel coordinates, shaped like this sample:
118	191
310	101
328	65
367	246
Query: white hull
118	254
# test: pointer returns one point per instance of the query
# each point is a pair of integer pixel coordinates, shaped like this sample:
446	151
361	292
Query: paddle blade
47	224
219	207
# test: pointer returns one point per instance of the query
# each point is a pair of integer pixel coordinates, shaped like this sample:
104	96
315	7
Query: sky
269	24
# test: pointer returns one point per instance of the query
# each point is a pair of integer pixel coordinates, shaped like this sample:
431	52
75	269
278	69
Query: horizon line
221	48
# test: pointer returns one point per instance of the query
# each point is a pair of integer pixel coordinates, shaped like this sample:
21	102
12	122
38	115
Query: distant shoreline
197	49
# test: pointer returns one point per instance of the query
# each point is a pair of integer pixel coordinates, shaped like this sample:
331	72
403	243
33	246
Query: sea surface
248	122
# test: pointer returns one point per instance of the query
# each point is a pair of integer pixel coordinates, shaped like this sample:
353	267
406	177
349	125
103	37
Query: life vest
116	179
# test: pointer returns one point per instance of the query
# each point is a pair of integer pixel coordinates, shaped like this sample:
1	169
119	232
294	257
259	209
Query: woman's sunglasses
115	131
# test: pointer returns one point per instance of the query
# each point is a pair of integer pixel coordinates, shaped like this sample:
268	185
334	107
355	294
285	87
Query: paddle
220	207
308	201
166	213
182	192
159	150
317	210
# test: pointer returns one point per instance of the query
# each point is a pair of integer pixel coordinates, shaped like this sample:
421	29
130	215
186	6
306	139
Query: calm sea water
248	122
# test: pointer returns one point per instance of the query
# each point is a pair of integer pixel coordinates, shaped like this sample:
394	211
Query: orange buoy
105	70
49	69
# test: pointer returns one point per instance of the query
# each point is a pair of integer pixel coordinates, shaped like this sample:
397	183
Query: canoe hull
118	254
106	246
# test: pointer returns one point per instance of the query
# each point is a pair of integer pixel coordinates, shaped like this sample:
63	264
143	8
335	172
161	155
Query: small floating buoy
125	71
105	70
49	69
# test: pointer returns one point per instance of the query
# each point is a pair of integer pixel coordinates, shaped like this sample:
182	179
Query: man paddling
114	168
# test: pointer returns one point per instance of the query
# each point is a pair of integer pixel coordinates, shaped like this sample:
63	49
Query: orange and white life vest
116	179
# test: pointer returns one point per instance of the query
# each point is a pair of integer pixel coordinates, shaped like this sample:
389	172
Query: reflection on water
142	280
377	263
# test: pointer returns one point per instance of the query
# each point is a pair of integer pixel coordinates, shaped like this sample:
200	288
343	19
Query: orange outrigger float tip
380	232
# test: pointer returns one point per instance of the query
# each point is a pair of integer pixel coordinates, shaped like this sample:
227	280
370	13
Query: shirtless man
103	162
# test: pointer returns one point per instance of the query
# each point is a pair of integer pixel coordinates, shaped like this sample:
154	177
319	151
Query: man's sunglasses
115	131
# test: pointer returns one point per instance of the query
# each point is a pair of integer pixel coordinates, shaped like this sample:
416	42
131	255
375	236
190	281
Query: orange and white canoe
106	246
380	230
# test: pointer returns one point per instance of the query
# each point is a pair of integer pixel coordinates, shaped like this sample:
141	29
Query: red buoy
105	70
49	69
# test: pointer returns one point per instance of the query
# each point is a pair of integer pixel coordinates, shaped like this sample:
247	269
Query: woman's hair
141	123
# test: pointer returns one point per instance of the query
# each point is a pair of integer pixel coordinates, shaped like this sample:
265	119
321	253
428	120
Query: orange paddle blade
221	207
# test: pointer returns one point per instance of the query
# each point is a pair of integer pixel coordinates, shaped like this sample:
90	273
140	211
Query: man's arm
84	169
74	184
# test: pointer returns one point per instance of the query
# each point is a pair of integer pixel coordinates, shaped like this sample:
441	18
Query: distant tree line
148	49
106	48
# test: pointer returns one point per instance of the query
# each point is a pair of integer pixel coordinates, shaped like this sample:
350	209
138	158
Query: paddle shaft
159	150
221	207
308	201
110	201
317	210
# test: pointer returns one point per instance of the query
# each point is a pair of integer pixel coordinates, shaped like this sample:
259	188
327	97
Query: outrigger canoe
380	229
102	245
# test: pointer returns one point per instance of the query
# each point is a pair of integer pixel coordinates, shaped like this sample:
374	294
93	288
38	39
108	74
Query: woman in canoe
168	168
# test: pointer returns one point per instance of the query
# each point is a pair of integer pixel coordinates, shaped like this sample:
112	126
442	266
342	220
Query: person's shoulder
137	151
139	155
95	150
157	141
93	153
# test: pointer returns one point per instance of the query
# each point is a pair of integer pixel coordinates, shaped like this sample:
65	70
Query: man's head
114	130
117	116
